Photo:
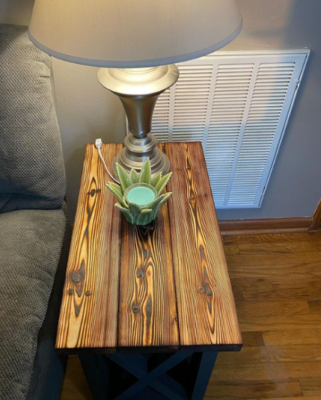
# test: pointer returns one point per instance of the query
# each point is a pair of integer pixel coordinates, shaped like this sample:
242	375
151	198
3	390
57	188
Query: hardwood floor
277	287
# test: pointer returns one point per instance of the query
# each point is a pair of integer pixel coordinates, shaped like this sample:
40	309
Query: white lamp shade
133	33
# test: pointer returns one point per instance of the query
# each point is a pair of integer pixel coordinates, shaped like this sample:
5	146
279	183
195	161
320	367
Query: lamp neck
139	112
138	90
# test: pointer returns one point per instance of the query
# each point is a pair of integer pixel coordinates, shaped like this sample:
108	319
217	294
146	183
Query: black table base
175	376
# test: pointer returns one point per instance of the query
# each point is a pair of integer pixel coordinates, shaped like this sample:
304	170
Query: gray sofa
34	228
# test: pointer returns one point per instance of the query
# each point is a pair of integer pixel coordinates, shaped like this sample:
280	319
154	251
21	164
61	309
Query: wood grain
315	306
290	398
283	322
267	372
88	316
147	315
278	287
280	263
252	339
311	386
246	390
281	337
246	309
271	354
75	386
206	308
276	363
123	282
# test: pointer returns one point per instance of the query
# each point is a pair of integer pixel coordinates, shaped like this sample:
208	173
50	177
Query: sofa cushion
49	366
32	171
30	244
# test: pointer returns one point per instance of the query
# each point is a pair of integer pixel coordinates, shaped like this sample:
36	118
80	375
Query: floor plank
292	337
269	354
275	372
281	322
276	288
241	390
267	308
277	247
291	398
251	339
276	281
315	305
75	385
311	386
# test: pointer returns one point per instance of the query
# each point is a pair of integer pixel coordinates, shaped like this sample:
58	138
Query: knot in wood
140	273
93	192
205	289
70	292
135	308
88	293
208	290
192	197
75	276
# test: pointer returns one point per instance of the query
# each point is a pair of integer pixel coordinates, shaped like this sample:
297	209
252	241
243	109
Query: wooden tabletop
160	288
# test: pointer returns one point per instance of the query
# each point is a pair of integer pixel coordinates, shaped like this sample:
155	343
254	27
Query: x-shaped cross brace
136	367
157	379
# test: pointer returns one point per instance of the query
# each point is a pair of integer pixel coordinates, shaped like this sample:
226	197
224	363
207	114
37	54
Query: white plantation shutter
237	104
161	116
227	116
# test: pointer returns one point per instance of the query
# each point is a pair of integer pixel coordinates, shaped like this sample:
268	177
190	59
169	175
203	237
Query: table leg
98	370
205	364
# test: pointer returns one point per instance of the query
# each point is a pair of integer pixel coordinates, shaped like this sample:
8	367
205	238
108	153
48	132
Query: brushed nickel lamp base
138	89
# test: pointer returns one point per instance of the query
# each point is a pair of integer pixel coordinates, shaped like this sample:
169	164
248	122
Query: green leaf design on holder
163	182
128	215
134	176
116	191
164	199
135	209
144	217
156	179
146	173
134	213
124	179
159	200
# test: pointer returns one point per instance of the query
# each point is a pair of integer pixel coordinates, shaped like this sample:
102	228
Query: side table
147	309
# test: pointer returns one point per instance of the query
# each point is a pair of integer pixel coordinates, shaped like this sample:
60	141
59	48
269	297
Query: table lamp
135	43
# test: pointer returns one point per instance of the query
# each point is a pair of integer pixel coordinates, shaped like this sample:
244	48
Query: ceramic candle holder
139	194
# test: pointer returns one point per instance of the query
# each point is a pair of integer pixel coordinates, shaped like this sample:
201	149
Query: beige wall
87	111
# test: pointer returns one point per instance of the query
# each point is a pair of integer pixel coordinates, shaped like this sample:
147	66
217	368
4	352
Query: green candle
141	195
